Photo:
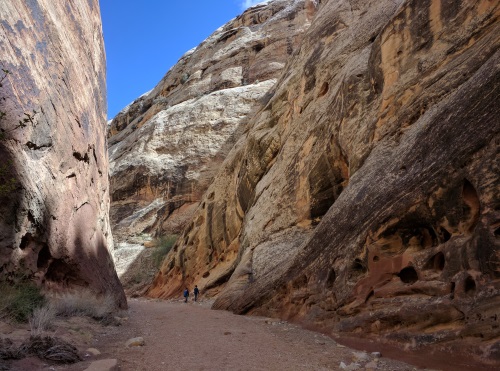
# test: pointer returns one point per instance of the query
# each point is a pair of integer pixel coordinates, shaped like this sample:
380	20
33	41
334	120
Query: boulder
103	365
93	351
135	342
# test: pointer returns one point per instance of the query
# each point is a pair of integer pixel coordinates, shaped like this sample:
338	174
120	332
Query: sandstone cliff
54	200
166	147
364	196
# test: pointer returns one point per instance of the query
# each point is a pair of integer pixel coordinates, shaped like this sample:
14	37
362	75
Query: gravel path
190	336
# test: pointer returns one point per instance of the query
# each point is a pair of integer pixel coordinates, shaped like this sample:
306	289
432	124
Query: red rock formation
365	195
54	218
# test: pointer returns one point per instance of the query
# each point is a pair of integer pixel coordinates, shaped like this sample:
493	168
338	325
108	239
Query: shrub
50	348
163	246
8	350
184	78
20	300
6	298
41	320
141	277
84	303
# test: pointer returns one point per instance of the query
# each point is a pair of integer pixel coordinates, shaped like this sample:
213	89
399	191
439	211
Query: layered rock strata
166	147
54	198
364	197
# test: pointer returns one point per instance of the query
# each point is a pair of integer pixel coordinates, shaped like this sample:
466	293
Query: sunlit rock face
364	196
54	223
167	146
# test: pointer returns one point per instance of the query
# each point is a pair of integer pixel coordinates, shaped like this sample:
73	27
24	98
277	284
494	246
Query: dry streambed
171	335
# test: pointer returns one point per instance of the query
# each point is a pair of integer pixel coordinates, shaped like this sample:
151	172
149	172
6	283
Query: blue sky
145	38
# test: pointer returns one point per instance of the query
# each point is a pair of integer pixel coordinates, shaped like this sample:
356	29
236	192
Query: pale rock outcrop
364	197
103	365
135	342
54	202
166	147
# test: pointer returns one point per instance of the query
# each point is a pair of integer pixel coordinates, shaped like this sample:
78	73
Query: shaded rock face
54	223
365	195
167	146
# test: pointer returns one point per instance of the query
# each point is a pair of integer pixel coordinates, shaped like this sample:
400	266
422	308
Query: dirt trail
190	336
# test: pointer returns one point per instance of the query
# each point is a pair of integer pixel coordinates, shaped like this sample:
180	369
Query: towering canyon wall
364	196
54	200
167	146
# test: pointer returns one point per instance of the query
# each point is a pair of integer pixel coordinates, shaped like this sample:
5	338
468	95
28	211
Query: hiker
186	295
196	292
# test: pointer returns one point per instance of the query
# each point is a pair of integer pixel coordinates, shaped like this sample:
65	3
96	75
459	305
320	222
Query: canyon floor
190	336
181	336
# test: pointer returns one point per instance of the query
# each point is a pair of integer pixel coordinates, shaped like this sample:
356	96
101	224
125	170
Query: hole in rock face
436	262
439	261
206	274
497	232
469	286
408	275
257	48
473	205
370	295
64	274
376	258
452	290
358	266
44	257
445	234
325	186
411	233
324	89
300	282
25	241
80	157
331	278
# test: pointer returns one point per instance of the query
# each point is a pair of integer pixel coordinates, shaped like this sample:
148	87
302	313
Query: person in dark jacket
196	291
186	295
